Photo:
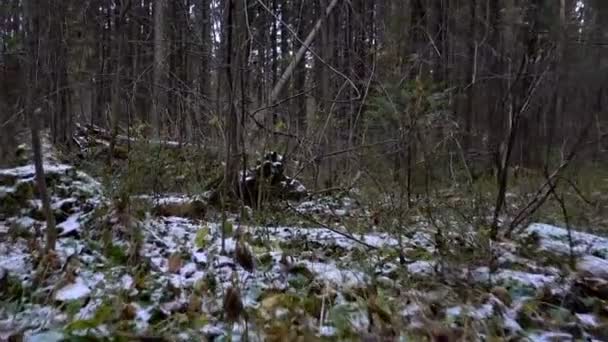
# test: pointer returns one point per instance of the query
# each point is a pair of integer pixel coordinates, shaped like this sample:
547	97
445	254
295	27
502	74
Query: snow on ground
323	236
555	239
73	291
184	257
28	171
532	280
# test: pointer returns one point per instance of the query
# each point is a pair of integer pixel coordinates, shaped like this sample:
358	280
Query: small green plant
202	237
104	313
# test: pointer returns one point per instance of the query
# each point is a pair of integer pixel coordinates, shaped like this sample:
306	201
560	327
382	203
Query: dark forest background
465	88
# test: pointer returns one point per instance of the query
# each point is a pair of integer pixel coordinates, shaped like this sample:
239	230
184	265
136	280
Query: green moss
11	288
9	206
24	191
116	254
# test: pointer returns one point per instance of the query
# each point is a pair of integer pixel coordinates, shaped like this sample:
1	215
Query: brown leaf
444	334
502	294
194	304
16	337
244	257
233	306
174	263
128	312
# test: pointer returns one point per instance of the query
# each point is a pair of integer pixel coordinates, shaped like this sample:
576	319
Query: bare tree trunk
299	105
7	119
31	82
231	127
116	84
159	102
471	75
61	128
558	104
274	95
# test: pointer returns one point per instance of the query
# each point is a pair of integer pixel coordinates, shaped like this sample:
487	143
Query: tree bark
62	120
7	117
159	101
471	75
119	47
231	126
31	83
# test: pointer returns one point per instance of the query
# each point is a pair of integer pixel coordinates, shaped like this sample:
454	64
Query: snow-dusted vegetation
129	273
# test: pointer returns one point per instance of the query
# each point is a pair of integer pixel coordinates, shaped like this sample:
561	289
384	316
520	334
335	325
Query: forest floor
125	276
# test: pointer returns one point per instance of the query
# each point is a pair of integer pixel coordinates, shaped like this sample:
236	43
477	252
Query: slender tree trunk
159	101
471	74
7	121
299	109
116	83
33	112
61	128
561	35
230	132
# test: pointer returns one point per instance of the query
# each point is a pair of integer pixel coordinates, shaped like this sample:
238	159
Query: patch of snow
485	311
188	269
142	316
48	336
594	266
34	318
126	282
422	240
299	186
212	330
223	260
588	320
94	279
340	212
454	311
482	274
200	257
176	281
30	171
555	239
68	247
74	291
422	267
63	201
14	262
229	245
411	309
196	276
25	222
70	225
89	310
511	324
550	337
327	331
171	200
331	273
159	262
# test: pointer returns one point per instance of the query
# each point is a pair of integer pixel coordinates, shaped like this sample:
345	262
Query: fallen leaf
175	263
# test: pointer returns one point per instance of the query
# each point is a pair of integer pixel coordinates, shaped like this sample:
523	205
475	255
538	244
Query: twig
156	237
541	196
562	203
322	225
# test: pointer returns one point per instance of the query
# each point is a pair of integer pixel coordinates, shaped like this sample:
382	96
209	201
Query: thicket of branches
478	84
